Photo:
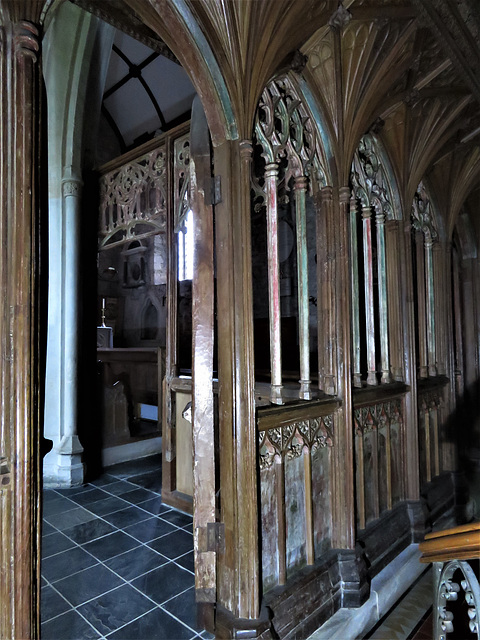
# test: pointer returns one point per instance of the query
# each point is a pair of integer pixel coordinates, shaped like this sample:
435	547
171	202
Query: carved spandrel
291	440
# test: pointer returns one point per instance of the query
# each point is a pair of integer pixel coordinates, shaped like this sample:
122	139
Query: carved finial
341	17
299	61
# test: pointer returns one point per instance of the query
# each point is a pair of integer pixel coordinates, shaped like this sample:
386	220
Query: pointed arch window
371	208
287	169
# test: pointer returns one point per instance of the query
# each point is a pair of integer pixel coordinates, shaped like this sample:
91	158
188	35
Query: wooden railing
455	553
295	470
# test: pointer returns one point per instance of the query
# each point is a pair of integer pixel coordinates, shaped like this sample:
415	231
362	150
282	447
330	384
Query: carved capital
26	39
340	18
71	188
246	150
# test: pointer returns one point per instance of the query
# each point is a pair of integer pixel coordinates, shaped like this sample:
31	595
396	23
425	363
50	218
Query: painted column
326	279
382	296
357	376
430	297
271	179
300	189
369	307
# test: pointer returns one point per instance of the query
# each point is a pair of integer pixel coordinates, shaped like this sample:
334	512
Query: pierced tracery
286	135
371	196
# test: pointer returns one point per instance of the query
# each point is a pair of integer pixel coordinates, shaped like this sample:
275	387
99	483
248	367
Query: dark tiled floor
116	563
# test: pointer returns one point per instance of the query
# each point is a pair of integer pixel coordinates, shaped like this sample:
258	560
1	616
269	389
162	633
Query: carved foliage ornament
133	200
285	132
368	179
422	218
465	586
291	440
377	416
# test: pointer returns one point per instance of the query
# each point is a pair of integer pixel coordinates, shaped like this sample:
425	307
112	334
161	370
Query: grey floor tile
55	543
151	481
115	609
64	564
117	488
88	531
59	505
139	495
87	497
156	625
47	528
134	563
150	529
69	519
165	582
52	604
155	506
69	626
128	516
177	517
173	544
109	505
186	561
184	608
88	584
112	545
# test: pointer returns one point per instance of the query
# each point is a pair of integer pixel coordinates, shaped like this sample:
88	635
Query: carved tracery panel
133	200
290	161
371	203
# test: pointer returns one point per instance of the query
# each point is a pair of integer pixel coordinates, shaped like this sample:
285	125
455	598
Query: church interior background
240	239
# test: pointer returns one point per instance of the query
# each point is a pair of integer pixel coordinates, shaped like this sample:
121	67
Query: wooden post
20	424
357	374
238	565
392	229
326	279
307	467
271	178
281	520
300	189
202	357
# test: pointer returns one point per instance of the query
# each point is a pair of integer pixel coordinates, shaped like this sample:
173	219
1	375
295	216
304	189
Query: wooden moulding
458	543
272	417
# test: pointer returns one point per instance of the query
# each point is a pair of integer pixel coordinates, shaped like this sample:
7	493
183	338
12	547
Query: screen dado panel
295	470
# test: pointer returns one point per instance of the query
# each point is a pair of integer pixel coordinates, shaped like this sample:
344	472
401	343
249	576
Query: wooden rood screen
295	466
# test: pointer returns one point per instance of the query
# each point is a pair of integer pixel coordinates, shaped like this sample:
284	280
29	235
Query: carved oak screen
371	206
287	168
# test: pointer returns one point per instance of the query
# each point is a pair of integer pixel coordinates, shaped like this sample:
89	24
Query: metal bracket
5	475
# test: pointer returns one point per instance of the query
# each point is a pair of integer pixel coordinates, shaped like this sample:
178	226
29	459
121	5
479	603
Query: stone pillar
63	465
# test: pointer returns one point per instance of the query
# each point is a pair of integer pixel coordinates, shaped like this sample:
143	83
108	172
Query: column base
63	466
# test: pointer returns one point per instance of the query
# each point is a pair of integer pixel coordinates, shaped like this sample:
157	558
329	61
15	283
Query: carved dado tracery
377	416
291	441
133	200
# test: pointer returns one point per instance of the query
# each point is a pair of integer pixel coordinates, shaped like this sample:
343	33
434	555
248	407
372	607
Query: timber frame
377	448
